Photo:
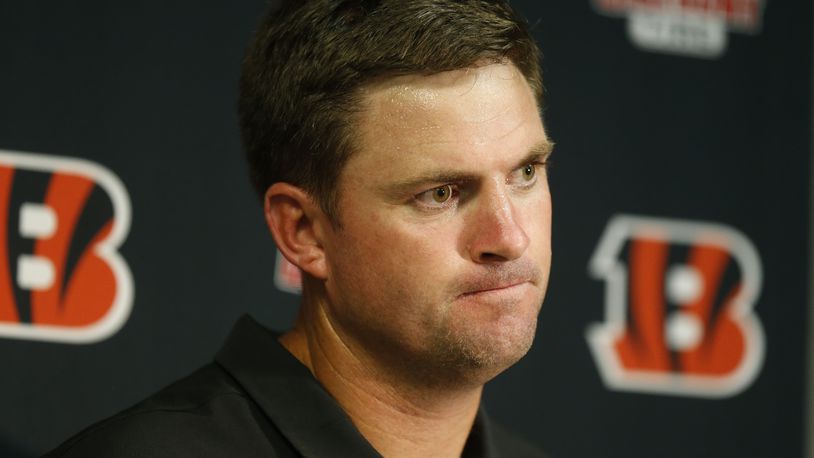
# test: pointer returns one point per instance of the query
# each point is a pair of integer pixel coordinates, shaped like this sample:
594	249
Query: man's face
442	258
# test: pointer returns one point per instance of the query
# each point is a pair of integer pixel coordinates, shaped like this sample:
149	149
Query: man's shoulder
203	414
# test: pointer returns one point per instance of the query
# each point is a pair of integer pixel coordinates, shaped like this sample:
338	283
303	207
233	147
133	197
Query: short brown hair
300	81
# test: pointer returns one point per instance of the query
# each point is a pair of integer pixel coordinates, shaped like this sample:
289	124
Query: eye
441	194
529	171
525	177
437	198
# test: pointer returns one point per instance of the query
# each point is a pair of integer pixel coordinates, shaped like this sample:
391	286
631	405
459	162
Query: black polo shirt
254	400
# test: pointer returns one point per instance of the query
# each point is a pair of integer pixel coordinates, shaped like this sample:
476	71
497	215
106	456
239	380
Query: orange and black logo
679	300
61	223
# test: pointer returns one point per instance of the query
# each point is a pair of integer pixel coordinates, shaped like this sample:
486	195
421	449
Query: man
400	155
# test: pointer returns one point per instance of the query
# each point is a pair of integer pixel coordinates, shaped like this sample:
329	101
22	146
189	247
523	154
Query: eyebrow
540	152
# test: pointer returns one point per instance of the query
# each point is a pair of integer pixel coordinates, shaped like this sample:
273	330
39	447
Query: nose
495	233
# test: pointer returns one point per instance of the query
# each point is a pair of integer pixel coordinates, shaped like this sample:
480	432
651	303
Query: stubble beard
468	356
464	344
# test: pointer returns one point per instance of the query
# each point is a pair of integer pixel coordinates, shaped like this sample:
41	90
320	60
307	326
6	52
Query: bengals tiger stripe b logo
679	299
61	223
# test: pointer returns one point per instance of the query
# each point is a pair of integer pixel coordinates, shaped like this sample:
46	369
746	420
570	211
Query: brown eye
442	194
529	171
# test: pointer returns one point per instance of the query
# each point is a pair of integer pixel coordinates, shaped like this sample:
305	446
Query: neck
396	415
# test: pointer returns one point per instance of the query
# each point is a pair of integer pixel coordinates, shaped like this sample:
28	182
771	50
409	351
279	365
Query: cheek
544	221
387	280
386	260
536	215
370	258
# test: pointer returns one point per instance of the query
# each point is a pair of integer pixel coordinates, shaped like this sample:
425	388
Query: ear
295	222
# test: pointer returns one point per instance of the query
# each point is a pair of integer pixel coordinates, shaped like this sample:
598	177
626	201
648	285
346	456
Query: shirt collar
300	407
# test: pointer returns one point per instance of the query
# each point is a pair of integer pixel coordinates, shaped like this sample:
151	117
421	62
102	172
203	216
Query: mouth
500	284
495	289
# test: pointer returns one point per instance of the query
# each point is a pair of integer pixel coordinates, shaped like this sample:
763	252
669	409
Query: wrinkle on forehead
409	95
427	118
478	121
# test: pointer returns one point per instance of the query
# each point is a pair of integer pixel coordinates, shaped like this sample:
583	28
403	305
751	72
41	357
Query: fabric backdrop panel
675	322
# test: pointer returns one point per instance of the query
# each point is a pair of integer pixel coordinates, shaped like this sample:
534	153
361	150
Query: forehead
468	120
443	106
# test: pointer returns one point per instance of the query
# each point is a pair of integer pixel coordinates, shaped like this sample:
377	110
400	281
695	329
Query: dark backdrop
148	89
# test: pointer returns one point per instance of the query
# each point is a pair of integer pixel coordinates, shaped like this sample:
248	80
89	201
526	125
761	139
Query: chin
485	351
